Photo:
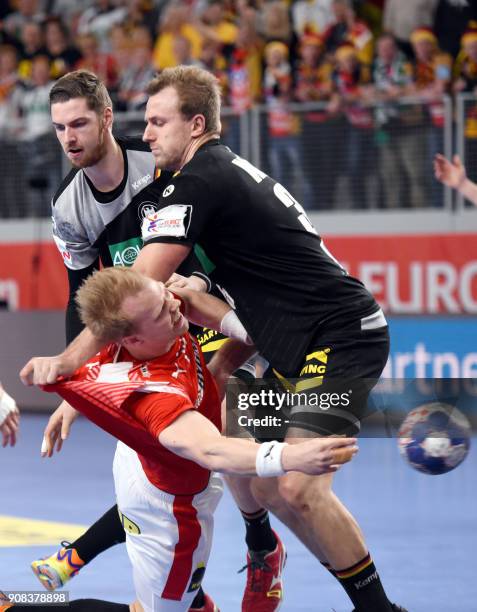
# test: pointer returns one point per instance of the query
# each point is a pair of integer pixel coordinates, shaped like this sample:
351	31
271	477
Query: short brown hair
198	91
100	298
82	84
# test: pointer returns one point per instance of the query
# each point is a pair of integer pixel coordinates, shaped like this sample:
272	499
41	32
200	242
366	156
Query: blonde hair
198	91
100	299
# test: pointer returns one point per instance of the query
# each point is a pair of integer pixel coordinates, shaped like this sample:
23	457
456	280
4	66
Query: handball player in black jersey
297	303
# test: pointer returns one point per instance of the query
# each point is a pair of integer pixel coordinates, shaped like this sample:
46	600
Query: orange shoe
4	602
208	606
53	572
264	590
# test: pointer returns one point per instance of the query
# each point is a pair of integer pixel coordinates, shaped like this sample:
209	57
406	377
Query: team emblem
145	209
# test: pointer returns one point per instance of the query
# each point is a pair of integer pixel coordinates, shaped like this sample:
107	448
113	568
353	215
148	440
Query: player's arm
229	358
194	437
159	260
453	174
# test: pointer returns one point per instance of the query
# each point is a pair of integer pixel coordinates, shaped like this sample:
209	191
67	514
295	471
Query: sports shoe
208	606
4	602
264	590
54	572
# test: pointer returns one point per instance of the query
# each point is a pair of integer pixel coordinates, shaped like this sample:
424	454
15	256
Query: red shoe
264	590
208	606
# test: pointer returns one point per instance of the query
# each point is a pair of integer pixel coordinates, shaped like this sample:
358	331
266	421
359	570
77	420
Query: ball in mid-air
434	438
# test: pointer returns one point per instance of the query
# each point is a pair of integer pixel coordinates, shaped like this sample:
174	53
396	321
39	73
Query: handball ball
434	438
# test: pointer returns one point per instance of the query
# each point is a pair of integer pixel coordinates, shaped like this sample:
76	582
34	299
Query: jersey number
285	198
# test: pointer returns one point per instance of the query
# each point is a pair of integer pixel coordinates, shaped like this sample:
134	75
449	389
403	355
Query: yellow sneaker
55	571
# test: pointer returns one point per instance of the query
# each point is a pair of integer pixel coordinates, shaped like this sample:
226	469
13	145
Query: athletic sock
199	599
106	532
363	586
259	535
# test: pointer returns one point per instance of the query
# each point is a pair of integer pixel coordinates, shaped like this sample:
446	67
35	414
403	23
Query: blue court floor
421	530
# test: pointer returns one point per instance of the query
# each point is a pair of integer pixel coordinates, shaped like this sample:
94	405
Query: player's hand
58	429
45	370
9	429
177	281
452	174
318	455
9	419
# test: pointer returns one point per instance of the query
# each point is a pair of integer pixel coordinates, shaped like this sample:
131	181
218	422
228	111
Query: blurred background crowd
351	96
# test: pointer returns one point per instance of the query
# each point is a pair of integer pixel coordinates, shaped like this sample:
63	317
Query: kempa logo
362	583
141	182
167	191
125	253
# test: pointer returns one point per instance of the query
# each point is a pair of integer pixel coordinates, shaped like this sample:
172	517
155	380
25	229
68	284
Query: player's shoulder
133	143
66	185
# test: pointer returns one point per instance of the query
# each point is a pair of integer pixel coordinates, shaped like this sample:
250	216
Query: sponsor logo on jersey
125	253
142	182
167	191
63	249
169	221
145	209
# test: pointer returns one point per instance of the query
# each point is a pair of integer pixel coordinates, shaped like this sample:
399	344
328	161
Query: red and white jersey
136	400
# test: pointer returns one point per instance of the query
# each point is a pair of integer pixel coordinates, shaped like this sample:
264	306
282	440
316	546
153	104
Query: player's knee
265	494
303	493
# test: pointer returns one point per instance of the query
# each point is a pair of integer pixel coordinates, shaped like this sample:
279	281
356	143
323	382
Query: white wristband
7	405
268	462
232	327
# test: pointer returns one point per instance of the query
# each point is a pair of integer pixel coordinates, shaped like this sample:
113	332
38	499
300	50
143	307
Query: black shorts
210	341
329	395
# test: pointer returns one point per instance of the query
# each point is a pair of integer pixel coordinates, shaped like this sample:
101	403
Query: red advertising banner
418	274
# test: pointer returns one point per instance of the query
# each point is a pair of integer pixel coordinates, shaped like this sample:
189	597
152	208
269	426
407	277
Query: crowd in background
356	58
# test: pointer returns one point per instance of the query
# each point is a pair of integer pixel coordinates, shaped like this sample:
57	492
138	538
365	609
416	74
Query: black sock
259	534
79	605
363	586
106	532
199	599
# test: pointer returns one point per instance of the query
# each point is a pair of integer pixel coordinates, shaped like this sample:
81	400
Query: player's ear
198	125
130	341
108	118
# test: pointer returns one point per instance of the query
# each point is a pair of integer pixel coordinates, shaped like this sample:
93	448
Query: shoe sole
45	580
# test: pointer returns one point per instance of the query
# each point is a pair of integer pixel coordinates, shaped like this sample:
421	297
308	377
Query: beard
95	155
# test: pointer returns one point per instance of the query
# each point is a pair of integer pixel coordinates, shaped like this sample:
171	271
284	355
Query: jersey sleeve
185	208
73	242
156	411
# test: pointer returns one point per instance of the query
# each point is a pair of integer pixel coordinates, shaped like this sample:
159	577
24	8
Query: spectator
27	11
275	22
347	28
402	21
350	79
102	64
431	79
215	26
174	22
401	147
142	13
319	136
121	45
63	57
134	80
99	19
466	82
212	59
32	45
450	22
283	124
38	141
312	16
9	156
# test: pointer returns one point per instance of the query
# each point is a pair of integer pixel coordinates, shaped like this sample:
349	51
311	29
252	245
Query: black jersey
264	251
